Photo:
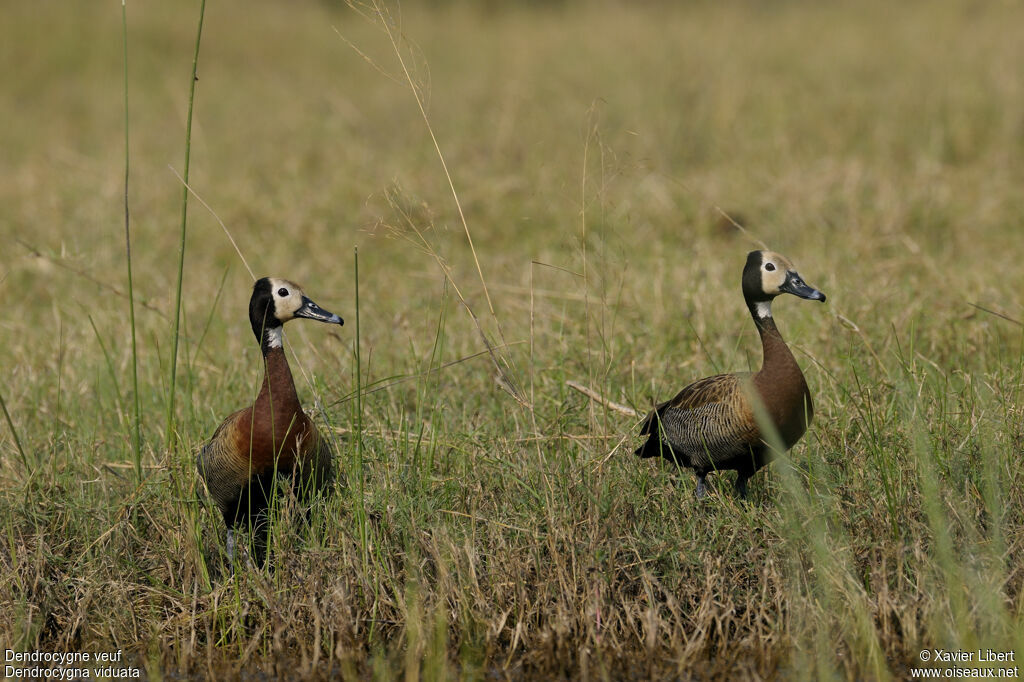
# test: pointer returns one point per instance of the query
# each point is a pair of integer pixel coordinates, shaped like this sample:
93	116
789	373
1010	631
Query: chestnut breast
265	433
788	401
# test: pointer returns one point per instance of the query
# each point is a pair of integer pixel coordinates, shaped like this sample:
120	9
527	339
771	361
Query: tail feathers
653	447
656	447
644	451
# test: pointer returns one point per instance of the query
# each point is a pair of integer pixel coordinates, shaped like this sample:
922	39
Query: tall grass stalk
818	539
54	438
590	135
137	417
14	433
360	508
110	366
176	322
508	381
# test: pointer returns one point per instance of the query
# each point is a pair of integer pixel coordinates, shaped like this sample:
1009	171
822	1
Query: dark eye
767	266
282	292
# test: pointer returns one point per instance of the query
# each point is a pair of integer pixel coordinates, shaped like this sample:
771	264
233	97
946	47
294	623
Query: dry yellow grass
591	144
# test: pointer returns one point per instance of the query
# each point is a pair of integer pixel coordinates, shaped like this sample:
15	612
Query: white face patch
287	298
763	309
275	337
774	269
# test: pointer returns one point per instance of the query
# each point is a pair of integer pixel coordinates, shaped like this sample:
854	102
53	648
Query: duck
712	424
273	437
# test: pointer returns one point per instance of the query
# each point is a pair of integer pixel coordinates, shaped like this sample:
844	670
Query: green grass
591	146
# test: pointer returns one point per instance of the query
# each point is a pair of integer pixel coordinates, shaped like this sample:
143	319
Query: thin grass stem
14	433
176	322
137	416
361	502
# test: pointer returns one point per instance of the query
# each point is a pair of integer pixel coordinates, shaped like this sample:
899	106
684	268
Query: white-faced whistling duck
271	437
711	424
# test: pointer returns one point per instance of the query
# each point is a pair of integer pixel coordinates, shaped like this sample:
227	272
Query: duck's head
768	274
275	301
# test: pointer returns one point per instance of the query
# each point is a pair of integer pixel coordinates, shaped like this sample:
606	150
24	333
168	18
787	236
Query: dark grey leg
702	490
231	550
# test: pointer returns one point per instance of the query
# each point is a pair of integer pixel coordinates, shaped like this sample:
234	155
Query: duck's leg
258	557
234	556
741	484
255	550
230	543
702	490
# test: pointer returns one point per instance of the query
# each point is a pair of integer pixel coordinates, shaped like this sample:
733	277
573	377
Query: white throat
763	309
275	337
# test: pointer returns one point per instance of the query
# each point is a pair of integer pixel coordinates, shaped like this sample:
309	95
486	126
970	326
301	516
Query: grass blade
137	420
14	433
176	322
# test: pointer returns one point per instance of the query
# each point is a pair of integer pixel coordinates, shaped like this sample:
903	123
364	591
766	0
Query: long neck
777	359
277	398
780	382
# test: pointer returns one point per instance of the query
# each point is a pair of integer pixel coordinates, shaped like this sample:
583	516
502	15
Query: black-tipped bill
312	311
796	286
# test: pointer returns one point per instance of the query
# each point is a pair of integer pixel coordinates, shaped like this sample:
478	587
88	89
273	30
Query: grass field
492	522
